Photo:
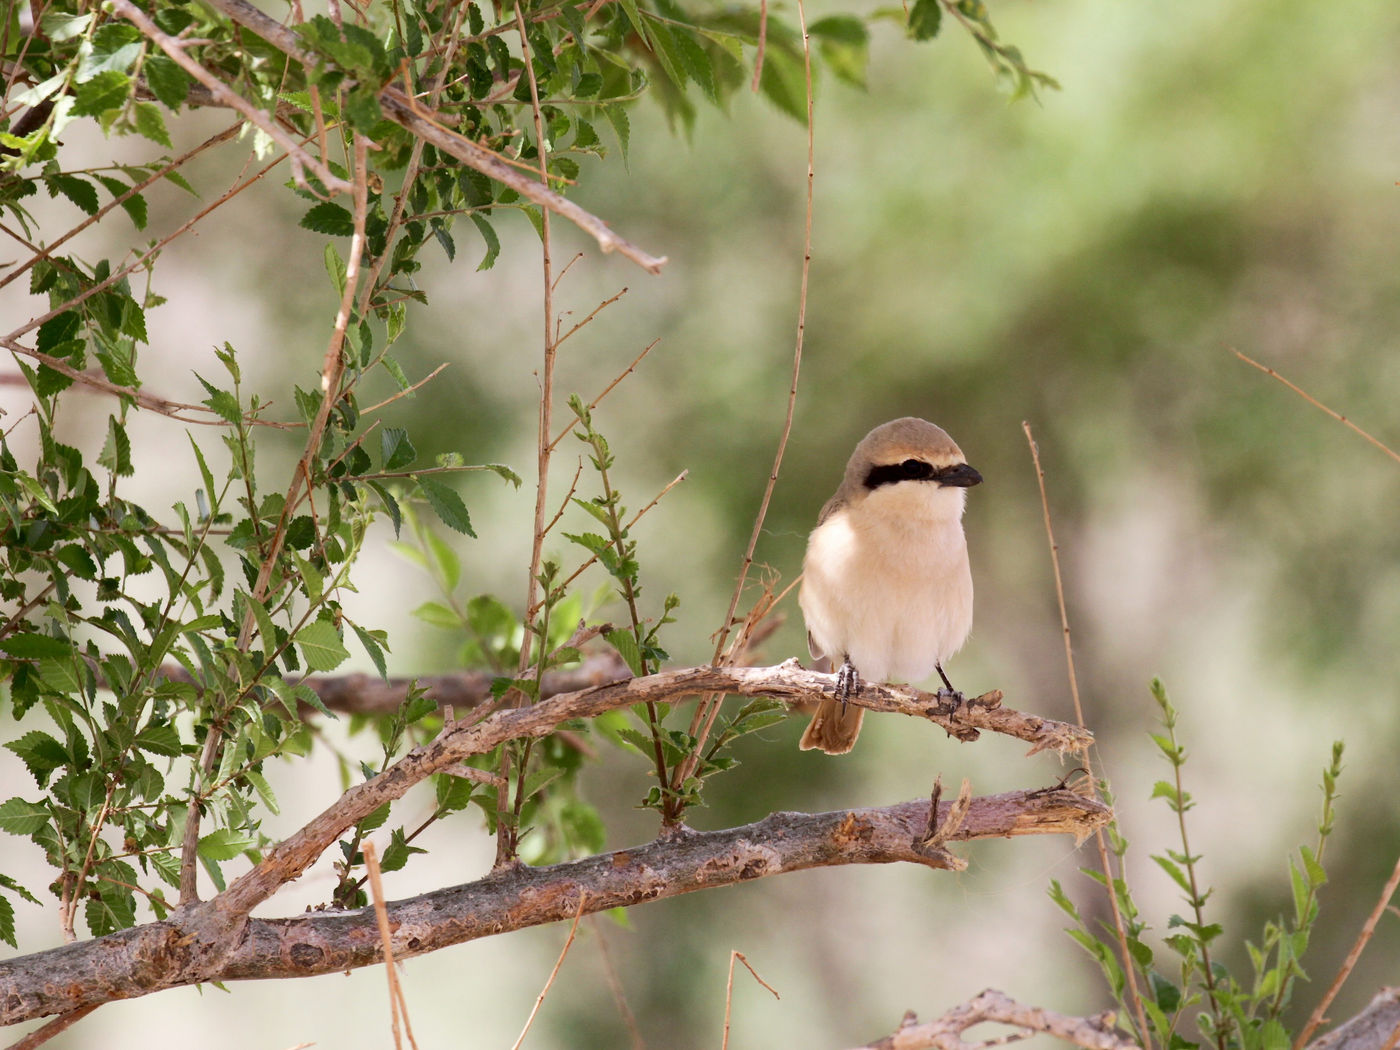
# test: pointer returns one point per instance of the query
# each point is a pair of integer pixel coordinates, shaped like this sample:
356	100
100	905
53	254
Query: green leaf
328	218
36	646
626	646
150	124
79	191
19	817
446	504
224	844
160	740
77	561
438	615
116	452
222	402
108	90
449	566
395	449
7	922
321	646
493	243
167	81
41	754
925	18
845	46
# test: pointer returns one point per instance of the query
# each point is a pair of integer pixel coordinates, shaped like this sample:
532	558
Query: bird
886	585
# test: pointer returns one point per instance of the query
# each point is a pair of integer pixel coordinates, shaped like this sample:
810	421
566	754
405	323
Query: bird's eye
916	468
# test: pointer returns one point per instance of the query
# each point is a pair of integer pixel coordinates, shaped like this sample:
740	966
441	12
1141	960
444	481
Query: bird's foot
949	700
847	682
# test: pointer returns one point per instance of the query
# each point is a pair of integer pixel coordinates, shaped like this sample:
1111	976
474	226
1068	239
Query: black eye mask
960	475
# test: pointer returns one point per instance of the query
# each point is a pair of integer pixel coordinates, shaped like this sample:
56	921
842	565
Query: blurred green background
1213	175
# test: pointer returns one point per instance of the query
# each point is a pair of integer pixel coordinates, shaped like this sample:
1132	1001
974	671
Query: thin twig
729	991
405	393
1353	956
175	48
160	173
1134	999
507	826
568	943
707	710
398	1005
57	1026
615	986
608	389
1318	404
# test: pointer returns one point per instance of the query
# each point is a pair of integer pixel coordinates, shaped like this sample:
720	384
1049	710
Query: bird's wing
830	507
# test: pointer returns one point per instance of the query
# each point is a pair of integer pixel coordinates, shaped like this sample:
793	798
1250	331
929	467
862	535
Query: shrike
886	587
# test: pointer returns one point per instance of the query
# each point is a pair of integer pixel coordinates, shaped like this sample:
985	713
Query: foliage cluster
157	662
1197	999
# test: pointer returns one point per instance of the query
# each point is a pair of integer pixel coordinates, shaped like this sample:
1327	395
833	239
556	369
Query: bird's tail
831	729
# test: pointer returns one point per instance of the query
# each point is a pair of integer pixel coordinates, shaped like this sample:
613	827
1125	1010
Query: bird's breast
892	591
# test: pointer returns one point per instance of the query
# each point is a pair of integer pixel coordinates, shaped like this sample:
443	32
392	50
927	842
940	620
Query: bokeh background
1214	174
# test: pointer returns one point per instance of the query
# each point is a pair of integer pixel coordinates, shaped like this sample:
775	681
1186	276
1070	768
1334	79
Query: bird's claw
847	683
949	700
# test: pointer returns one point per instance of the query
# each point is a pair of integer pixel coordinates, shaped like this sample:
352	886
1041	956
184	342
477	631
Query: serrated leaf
150	124
107	90
116	451
493	243
19	817
330	219
35	646
160	740
626	647
446	504
77	561
7	922
224	844
395	448
40	753
321	646
222	402
167	81
79	191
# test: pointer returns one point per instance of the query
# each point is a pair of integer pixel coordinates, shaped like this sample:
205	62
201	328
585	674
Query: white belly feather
887	583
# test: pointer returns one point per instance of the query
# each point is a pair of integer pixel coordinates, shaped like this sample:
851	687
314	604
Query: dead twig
729	991
398	1005
539	1000
1129	969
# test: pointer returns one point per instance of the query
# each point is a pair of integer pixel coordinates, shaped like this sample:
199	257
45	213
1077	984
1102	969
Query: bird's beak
962	476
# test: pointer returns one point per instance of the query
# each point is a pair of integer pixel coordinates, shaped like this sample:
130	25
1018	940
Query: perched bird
886	588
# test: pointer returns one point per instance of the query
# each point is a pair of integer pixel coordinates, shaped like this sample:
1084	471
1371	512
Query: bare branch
174	952
1092	1033
1372	1029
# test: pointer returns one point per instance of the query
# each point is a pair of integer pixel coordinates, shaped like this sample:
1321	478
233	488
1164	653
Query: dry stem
398	1005
1134	998
568	943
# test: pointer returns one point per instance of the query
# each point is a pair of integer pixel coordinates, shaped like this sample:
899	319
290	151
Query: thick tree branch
788	681
366	694
1373	1028
1092	1033
167	954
